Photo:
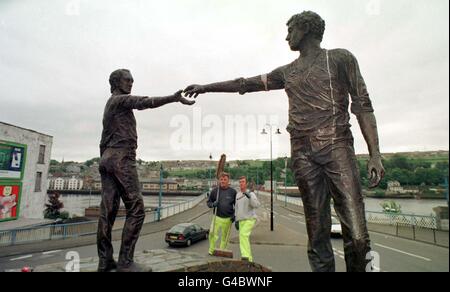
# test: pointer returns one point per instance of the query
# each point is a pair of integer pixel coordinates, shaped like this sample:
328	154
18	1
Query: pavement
163	260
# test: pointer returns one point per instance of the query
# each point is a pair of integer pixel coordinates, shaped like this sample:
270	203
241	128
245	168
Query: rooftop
3	123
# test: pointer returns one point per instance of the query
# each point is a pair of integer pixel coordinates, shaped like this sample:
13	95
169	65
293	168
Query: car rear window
177	229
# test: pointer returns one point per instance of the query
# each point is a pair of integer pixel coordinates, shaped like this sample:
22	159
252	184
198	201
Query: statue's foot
133	268
106	266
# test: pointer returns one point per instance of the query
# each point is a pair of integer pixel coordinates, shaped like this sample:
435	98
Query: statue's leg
126	174
109	207
316	203
346	191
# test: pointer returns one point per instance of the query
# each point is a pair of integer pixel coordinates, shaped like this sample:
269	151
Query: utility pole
285	181
271	172
160	192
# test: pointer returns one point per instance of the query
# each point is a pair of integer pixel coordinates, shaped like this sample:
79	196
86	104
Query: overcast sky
56	57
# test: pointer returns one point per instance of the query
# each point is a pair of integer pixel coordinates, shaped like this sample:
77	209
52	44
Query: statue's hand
376	171
179	98
194	90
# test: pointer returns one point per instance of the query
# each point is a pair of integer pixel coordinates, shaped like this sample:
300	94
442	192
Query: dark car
186	234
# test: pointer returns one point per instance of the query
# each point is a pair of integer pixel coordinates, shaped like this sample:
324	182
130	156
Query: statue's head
303	27
121	81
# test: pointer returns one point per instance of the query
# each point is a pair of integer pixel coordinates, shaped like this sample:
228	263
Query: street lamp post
285	181
209	182
446	190
257	182
160	192
271	171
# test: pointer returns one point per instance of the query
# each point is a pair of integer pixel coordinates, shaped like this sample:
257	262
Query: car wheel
189	242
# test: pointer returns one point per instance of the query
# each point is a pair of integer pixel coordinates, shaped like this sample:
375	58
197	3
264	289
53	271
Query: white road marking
338	251
296	216
404	252
21	258
339	256
52	251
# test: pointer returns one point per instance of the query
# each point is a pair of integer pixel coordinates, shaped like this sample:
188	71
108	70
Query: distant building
153	185
394	187
198	184
24	165
58	184
74	183
290	191
147	185
97	185
65	183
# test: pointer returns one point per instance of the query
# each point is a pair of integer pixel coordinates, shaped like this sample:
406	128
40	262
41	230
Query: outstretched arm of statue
264	82
368	125
177	97
144	102
240	85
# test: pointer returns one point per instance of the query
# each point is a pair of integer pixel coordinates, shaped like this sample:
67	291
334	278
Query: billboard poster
10	193
12	160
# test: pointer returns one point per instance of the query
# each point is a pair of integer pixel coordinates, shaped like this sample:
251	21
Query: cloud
56	60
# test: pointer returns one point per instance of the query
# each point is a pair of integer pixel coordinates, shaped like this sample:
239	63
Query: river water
408	206
76	204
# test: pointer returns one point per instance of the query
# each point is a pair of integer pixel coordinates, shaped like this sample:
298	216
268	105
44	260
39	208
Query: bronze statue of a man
118	169
318	85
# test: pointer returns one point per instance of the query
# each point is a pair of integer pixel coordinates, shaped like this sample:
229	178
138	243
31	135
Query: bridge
283	250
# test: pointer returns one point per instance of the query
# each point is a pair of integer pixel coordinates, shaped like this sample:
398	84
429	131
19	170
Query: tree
54	162
399	161
90	162
53	208
430	177
443	167
403	176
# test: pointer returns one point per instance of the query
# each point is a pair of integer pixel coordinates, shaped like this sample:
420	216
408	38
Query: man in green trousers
222	200
246	205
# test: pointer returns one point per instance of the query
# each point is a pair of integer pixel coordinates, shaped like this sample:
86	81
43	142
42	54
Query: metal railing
290	200
409	226
64	231
419	221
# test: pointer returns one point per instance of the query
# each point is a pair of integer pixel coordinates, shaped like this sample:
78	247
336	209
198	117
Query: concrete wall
32	203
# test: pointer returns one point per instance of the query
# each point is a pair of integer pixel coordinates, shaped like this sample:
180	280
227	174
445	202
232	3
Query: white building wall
59	183
32	203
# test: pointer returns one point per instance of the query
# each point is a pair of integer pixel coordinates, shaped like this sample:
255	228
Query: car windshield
334	220
177	229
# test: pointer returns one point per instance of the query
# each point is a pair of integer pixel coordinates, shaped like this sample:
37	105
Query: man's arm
362	108
265	82
254	200
144	102
368	125
212	199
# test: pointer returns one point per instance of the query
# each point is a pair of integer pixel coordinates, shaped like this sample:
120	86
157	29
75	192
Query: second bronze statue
118	170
